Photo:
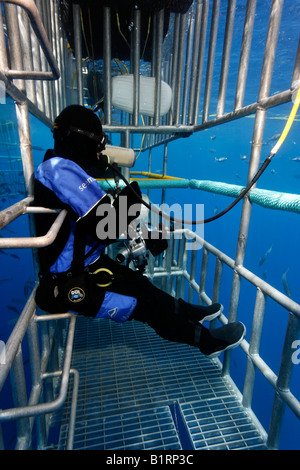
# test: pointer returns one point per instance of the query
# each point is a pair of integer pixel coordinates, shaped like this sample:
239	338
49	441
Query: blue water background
194	157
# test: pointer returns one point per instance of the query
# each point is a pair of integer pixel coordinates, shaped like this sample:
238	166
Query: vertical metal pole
195	28
204	20
192	274
136	63
187	84
27	56
211	59
217	287
184	266
58	83
257	325
296	74
107	63
25	146
283	381
20	396
179	265
3	52
61	59
226	56
126	171
35	363
159	39
179	77
217	281
22	115
245	53
203	274
78	51
154	40
265	83
149	167
14	41
174	66
165	162
42	61
55	88
168	264
51	94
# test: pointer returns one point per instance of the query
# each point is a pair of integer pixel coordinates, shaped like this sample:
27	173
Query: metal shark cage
42	75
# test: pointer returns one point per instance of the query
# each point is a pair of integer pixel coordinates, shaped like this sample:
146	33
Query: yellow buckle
106	270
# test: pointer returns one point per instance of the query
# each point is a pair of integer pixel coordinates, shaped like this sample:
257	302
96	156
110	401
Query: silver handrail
13	365
36	242
37	25
178	268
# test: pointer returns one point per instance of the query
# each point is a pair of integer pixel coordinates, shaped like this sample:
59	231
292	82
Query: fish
221	159
265	256
14	256
212	137
13	309
28	287
6	279
8	230
243	157
274	137
295	159
285	283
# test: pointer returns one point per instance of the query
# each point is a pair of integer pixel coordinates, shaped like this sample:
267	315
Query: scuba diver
75	273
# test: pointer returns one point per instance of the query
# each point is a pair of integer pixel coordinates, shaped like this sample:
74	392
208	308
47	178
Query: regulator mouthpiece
120	155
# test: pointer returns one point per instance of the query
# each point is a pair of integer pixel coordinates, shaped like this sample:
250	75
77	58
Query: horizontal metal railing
36	66
30	242
37	25
191	48
175	272
27	409
31	56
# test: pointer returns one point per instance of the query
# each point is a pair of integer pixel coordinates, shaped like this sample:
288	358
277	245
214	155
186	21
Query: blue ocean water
195	157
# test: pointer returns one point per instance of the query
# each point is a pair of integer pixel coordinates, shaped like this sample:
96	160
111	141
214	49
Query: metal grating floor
140	392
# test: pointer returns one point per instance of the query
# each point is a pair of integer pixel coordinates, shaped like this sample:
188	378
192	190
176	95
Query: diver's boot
198	312
214	341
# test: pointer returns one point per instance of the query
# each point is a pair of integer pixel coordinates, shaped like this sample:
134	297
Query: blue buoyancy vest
74	187
81	192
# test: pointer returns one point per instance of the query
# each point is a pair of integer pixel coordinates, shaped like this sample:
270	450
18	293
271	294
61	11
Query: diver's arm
106	221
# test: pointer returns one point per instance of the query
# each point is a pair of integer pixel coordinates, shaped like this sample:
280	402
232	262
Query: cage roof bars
37	25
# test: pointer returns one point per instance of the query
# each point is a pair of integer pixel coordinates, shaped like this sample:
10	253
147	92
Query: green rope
263	197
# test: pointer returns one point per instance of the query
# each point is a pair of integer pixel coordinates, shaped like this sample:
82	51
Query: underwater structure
148	69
